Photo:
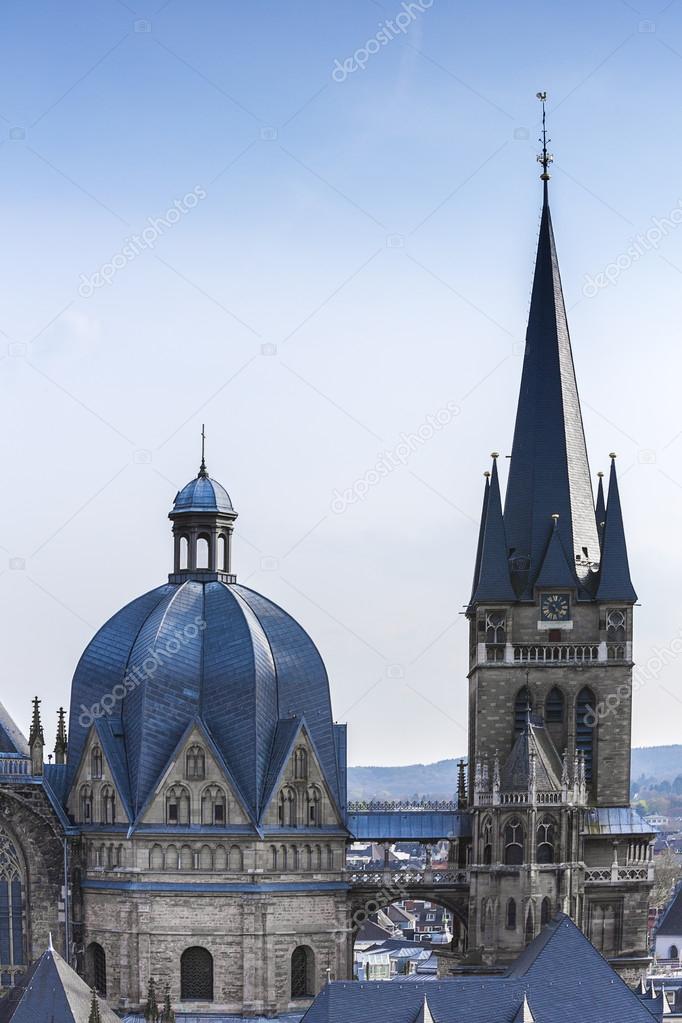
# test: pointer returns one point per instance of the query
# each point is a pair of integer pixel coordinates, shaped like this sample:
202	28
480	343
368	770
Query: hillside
439	780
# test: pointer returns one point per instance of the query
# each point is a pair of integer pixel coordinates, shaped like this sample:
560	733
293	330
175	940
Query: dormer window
195	764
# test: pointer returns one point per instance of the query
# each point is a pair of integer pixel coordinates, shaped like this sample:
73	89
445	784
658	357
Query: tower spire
600	509
614	579
493	581
203	472
549	471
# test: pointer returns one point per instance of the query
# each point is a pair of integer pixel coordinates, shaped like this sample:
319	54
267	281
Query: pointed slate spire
62	742
424	1014
614	579
524	1015
494	582
600	510
549	470
556	569
481	531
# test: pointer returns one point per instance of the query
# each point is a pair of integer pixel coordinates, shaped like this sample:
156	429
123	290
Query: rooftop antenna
545	157
203	473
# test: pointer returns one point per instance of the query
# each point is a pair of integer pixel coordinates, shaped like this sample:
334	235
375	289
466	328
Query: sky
312	228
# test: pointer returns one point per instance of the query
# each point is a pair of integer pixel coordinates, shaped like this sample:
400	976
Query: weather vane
545	158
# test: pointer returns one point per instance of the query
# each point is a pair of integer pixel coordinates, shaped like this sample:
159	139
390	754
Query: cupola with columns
203	520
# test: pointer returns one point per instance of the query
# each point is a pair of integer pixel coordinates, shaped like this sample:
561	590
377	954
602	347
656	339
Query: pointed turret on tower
61	743
36	739
614	579
493	582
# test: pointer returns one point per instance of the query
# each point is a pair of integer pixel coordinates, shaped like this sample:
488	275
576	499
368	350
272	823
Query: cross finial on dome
203	472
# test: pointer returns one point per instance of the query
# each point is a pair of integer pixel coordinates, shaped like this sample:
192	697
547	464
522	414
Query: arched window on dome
108	805
96	762
213	806
314	807
195	764
221	559
183	559
203	551
85	804
287	808
12	955
177	805
301	764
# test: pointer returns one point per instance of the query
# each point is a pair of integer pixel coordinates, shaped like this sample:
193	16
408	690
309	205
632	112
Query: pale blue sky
379	232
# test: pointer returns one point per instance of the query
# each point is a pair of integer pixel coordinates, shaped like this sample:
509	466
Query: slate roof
12	739
557	568
243	666
202	495
379	825
515	773
51	992
671	921
493	581
560	974
549	470
614	579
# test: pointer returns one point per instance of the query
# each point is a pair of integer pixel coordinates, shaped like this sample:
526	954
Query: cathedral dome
201	648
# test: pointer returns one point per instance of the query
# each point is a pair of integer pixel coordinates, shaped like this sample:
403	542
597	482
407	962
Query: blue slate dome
203	495
212	651
201	649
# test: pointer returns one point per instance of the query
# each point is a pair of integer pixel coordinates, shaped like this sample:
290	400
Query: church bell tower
550	675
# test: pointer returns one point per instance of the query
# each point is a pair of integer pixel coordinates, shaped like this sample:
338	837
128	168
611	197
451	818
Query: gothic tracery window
286	808
511	914
108	805
545	912
12	957
545	840
314	807
513	842
213	806
495	627
195	763
85	801
177	805
554	707
96	762
585	721
487	841
301	764
616	620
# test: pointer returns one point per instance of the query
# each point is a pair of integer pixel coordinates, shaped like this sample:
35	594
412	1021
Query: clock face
554	607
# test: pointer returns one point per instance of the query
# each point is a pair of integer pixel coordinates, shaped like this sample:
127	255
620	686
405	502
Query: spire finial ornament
203	472
545	157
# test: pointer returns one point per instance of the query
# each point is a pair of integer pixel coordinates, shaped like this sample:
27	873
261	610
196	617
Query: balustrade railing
409	806
557	653
617	874
407	878
15	765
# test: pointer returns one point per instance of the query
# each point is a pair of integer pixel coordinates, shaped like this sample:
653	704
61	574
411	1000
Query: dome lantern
203	520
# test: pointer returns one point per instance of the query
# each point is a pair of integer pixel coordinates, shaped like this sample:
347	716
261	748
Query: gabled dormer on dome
203	520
